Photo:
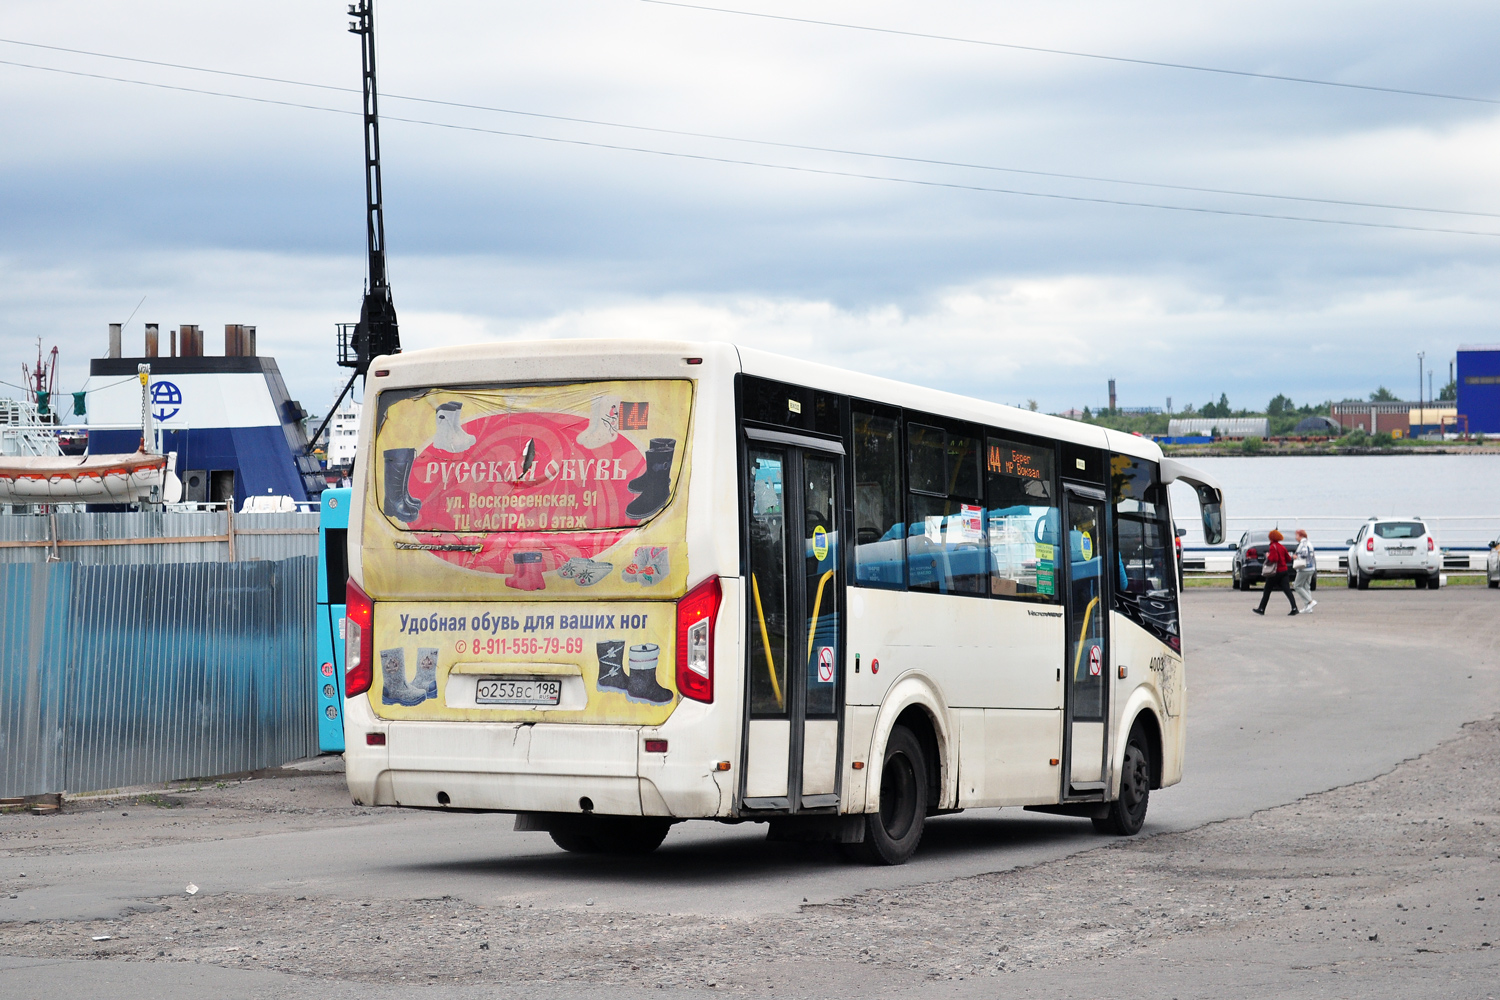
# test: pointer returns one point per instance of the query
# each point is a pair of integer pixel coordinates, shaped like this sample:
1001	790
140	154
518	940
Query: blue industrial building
1478	379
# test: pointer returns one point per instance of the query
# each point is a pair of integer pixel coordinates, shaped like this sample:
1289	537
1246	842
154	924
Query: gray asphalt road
1279	707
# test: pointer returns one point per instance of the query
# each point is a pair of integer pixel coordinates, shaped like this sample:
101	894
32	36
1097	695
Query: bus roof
873	387
632	353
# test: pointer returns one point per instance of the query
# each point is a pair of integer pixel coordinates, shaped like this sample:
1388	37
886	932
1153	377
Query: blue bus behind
333	574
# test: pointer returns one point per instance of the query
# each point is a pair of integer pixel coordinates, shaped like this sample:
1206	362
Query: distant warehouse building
1392	418
1479	387
1315	426
1222	427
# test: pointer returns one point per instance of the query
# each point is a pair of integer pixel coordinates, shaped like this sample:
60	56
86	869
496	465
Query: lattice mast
377	332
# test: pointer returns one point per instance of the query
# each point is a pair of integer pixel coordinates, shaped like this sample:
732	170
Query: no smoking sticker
825	665
1096	661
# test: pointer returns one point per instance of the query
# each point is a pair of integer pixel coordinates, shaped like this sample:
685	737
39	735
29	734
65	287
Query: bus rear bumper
535	768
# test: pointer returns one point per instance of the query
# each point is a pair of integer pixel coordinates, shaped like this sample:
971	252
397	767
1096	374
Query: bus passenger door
1086	694
796	594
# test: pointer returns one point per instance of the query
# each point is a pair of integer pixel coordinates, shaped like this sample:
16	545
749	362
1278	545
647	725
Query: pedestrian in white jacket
1307	570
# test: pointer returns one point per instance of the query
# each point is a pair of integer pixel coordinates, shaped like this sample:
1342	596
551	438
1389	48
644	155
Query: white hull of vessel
82	479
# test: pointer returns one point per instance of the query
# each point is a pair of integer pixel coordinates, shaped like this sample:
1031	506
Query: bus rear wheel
892	834
573	841
611	835
1127	814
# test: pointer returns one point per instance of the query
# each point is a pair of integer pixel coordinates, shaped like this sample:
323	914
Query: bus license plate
517	691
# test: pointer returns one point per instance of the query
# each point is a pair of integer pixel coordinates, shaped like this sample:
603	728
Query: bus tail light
359	641
695	640
1370	544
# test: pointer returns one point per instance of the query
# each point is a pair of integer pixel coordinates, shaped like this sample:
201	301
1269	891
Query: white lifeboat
80	478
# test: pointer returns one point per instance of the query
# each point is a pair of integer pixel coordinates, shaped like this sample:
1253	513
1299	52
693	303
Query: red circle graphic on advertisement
524	485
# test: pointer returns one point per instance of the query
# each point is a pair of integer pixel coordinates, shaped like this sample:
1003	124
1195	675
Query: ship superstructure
236	431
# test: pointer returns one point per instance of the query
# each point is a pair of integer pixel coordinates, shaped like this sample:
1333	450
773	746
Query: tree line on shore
1282	413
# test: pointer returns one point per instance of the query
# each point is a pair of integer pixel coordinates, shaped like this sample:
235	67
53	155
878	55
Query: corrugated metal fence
126	674
156	537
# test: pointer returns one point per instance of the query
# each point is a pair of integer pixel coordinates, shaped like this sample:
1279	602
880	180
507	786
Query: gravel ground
310	796
1395	877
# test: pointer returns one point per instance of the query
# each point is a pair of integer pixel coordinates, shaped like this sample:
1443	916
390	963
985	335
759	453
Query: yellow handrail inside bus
765	641
812	624
1078	656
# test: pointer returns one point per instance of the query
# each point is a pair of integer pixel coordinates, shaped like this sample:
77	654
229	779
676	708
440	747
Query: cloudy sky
220	210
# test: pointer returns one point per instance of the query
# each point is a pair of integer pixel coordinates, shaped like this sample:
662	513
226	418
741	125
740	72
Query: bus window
336	560
768	402
1021	511
1086	614
926	458
1146	591
768	629
879	556
946	550
820	547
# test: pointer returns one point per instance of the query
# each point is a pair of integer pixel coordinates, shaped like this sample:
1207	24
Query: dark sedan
1250	556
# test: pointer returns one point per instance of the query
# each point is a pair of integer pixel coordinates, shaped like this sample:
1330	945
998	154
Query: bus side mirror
1213	521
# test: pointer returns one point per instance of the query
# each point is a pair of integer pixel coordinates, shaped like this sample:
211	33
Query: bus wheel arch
912	702
919	723
1150	725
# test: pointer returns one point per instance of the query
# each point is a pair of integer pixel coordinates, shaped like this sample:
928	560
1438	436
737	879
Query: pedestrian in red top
1276	571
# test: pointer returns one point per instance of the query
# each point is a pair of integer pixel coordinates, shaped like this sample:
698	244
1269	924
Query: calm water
1330	495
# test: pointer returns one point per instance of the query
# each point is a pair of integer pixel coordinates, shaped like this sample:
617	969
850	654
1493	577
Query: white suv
1389	548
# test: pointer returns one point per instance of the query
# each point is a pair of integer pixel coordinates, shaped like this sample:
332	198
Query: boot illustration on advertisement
426	679
395	690
398	502
451	436
604	423
642	686
655	484
612	666
528	574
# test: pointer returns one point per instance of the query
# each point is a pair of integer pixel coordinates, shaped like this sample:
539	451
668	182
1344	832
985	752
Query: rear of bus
333	576
543	603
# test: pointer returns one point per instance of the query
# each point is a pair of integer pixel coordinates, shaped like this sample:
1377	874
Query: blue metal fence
115	675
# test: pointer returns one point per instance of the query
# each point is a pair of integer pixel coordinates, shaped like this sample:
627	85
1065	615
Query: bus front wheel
892	834
1128	812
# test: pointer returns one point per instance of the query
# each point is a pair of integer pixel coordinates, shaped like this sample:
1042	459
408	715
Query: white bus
612	585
